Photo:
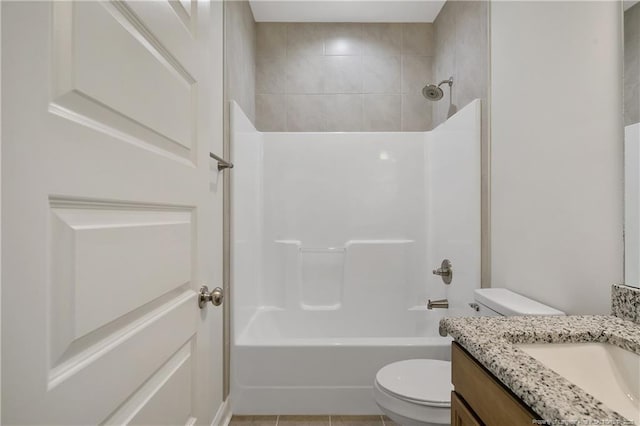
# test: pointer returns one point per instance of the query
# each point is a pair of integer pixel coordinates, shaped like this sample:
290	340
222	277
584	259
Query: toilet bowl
417	392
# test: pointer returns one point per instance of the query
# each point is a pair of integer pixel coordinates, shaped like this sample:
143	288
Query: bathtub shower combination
335	236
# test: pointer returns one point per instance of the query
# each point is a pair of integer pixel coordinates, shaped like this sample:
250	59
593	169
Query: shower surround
334	239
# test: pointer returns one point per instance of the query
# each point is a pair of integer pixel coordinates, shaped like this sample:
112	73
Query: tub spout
437	304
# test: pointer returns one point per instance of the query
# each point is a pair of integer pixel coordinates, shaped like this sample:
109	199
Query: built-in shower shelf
326	278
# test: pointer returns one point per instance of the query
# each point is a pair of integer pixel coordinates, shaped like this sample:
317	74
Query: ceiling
346	10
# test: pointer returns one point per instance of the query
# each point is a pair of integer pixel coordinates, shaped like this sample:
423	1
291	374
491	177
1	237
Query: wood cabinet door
461	415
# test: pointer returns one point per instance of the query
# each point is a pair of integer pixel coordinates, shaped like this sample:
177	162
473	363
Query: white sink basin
607	372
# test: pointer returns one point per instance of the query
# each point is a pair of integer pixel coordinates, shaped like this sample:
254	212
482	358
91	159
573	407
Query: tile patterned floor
311	421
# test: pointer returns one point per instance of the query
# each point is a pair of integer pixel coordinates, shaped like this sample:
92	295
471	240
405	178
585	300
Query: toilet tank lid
508	303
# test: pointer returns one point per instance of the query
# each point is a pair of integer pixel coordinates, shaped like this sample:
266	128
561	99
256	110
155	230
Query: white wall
557	151
632	205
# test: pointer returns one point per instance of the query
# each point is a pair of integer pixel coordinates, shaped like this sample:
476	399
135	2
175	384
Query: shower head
435	93
432	92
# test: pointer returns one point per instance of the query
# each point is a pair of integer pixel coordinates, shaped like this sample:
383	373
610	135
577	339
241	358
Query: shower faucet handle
445	271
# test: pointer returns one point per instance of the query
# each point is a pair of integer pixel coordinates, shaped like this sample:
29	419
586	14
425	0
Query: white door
112	212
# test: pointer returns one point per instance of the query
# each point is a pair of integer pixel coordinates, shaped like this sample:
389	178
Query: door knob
214	296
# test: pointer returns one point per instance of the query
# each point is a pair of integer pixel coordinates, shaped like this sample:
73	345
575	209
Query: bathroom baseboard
223	416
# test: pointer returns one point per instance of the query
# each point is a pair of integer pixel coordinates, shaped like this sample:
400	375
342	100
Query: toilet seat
415	392
418	381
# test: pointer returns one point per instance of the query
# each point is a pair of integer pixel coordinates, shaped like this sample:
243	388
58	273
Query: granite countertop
490	340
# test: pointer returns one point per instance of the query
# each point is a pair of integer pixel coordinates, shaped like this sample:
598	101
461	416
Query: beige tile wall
461	51
632	65
343	77
240	39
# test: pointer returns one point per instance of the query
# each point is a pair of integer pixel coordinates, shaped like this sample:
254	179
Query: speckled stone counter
490	340
625	302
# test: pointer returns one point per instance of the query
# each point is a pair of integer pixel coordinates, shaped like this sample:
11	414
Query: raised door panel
165	399
119	254
113	73
108	263
90	386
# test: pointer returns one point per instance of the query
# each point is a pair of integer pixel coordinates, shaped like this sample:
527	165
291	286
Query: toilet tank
500	301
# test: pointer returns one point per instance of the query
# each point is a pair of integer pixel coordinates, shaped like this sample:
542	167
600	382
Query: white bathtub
324	362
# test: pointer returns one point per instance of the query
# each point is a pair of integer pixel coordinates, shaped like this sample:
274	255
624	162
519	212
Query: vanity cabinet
480	399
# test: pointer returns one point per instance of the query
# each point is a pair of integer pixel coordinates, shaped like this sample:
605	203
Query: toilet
417	392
